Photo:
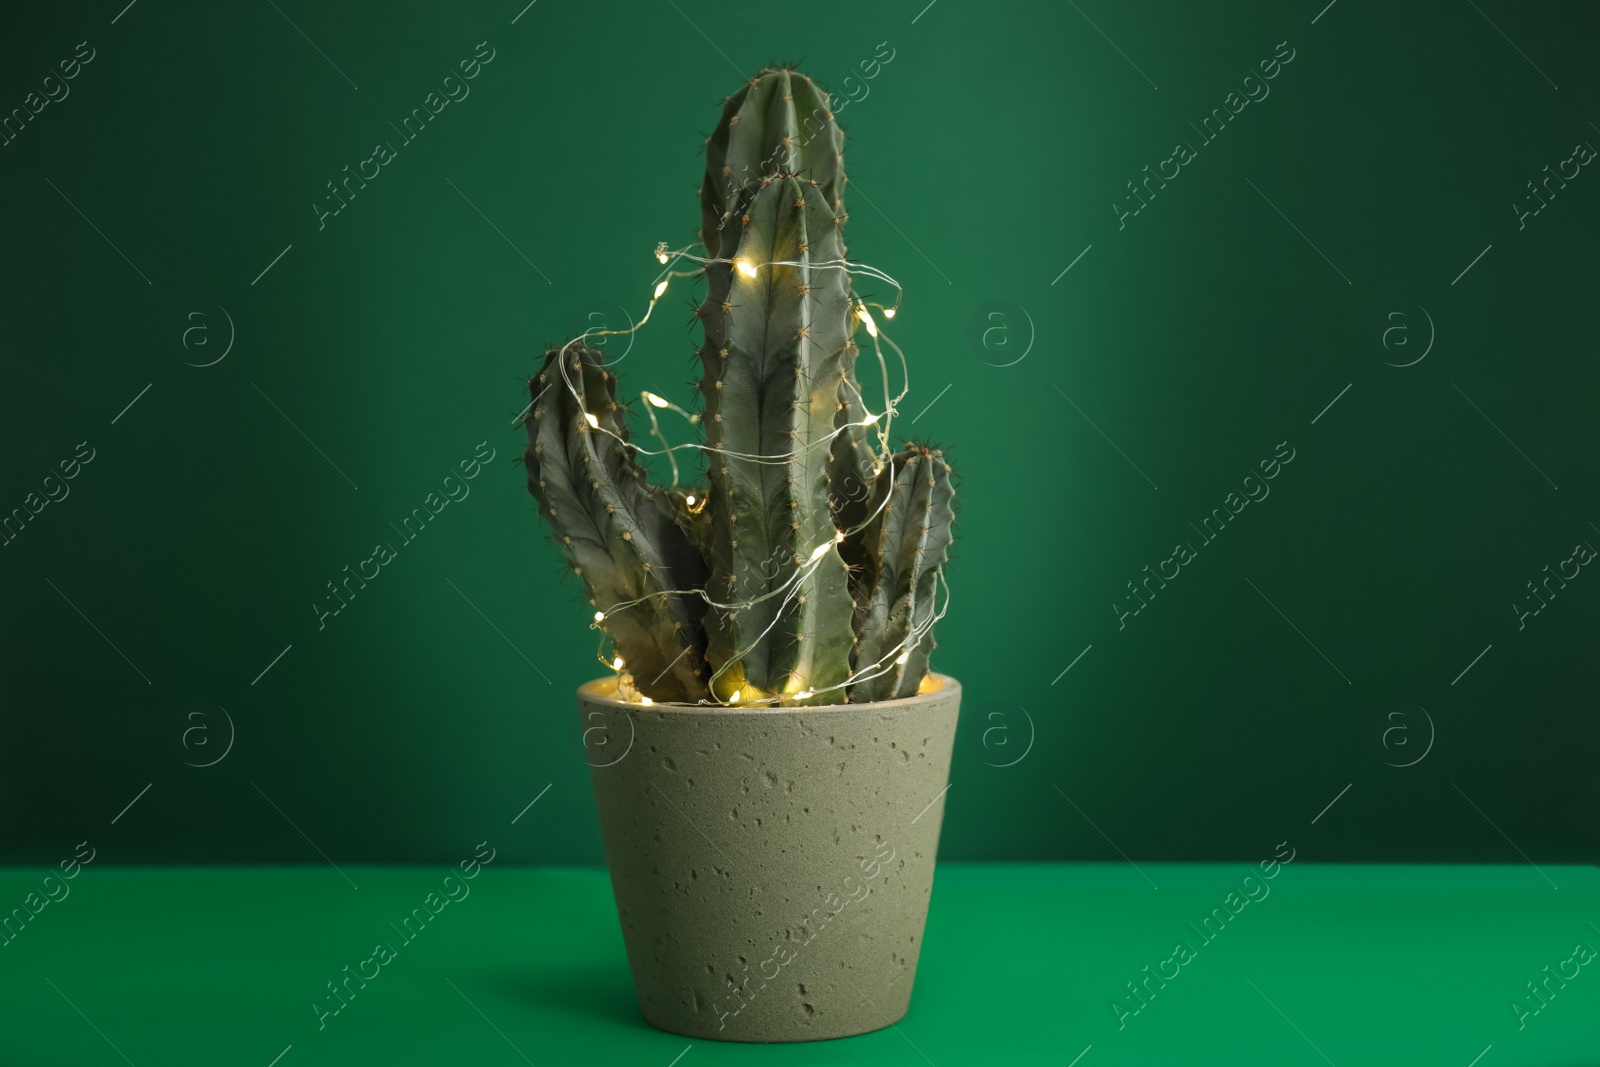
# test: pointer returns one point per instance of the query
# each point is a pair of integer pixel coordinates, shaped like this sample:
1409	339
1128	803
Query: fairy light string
879	424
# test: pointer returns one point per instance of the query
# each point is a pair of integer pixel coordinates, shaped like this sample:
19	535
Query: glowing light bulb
656	401
599	616
747	268
838	538
821	550
888	313
734	698
902	657
866	318
804	694
661	252
592	420
616	664
661	287
871	419
646	701
689	500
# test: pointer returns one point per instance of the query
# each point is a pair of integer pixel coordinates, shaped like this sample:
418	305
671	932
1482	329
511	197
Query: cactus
906	545
619	534
806	571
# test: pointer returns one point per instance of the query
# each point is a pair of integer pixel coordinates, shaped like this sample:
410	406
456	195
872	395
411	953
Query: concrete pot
772	867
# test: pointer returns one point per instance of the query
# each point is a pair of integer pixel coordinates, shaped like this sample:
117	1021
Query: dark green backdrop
1323	638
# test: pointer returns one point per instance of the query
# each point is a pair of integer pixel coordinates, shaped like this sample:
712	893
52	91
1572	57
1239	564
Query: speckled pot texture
772	867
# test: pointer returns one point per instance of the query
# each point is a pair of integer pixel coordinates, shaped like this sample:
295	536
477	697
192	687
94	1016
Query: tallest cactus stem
776	328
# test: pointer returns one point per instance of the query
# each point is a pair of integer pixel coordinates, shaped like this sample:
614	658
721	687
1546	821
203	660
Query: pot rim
599	692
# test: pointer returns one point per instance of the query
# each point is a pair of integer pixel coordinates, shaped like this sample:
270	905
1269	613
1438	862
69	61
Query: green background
984	158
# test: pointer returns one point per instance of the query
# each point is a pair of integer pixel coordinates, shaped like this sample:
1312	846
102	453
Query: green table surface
1337	964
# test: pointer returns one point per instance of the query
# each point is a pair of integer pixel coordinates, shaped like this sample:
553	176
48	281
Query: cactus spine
807	571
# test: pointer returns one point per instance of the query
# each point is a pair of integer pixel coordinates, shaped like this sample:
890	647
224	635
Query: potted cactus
770	755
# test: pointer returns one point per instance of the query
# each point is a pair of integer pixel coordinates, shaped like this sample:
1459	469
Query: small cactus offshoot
809	566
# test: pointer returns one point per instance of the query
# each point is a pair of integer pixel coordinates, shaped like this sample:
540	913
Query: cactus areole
807	567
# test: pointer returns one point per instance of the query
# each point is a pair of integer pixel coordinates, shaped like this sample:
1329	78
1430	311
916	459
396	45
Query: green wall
1318	641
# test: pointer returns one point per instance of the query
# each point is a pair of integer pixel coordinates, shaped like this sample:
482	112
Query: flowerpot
772	866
